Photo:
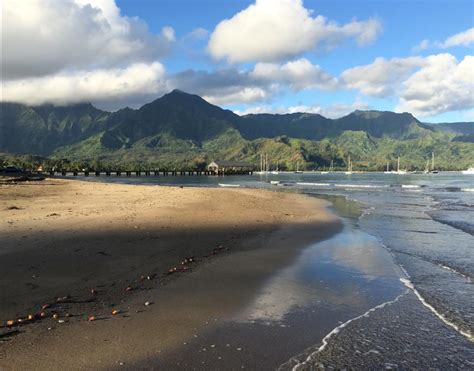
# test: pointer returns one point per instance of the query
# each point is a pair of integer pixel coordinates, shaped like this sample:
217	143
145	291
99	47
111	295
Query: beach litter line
31	318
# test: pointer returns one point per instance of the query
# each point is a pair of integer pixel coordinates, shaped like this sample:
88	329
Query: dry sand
61	239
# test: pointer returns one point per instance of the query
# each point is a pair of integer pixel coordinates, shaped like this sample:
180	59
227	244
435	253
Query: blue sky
276	56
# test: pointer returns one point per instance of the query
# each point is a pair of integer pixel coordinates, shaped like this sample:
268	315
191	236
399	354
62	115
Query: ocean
394	289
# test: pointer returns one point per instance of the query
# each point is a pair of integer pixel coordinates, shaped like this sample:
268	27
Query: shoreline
105	223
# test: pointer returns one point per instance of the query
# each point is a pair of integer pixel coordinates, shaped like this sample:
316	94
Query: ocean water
421	317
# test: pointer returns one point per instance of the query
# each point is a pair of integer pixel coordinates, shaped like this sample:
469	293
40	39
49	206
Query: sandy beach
85	249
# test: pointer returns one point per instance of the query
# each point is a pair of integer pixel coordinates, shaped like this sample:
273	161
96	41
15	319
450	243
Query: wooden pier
139	173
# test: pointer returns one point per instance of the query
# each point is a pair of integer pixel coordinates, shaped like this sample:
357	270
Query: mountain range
183	130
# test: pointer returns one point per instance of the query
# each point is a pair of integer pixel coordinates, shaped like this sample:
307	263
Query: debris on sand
11	322
147	303
115	312
45	306
93	291
14	208
62	298
91	318
172	270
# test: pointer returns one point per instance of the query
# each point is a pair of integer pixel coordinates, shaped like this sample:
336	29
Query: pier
142	173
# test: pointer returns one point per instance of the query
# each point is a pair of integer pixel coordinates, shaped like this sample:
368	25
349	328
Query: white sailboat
433	171
349	166
331	168
263	165
297	169
469	171
400	172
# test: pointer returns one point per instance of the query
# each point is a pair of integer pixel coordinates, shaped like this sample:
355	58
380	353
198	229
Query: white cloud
272	30
199	33
298	74
442	85
338	110
423	45
464	38
107	86
41	37
333	111
245	95
382	77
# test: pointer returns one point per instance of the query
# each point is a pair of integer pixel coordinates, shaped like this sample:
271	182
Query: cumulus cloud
107	87
233	86
227	86
443	84
41	37
333	111
298	74
425	86
382	77
272	30
464	38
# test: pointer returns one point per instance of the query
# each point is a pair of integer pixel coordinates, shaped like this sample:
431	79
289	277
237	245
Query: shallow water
426	224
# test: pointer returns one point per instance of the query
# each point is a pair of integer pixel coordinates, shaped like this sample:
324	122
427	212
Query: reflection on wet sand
345	270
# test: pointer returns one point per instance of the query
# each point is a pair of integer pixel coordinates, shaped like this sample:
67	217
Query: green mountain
40	130
182	130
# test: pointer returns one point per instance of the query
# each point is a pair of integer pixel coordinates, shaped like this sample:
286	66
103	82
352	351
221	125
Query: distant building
230	167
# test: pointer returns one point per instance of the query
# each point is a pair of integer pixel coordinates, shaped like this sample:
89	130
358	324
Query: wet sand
62	239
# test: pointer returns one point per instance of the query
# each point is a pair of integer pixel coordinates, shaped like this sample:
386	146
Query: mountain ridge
185	128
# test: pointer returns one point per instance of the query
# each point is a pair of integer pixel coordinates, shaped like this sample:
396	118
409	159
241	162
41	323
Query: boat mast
398	164
432	161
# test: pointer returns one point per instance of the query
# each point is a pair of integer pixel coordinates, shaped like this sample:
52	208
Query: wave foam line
454	271
358	186
410	285
467	189
338	329
313	184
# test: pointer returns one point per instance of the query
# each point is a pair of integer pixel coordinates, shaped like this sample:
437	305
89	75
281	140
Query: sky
322	56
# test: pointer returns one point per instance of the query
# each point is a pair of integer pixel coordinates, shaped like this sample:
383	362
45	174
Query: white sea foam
410	285
338	329
410	186
358	186
455	271
314	184
467	189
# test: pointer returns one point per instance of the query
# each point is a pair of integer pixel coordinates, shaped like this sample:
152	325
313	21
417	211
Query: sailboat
331	168
263	165
349	166
297	169
469	171
400	172
433	171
